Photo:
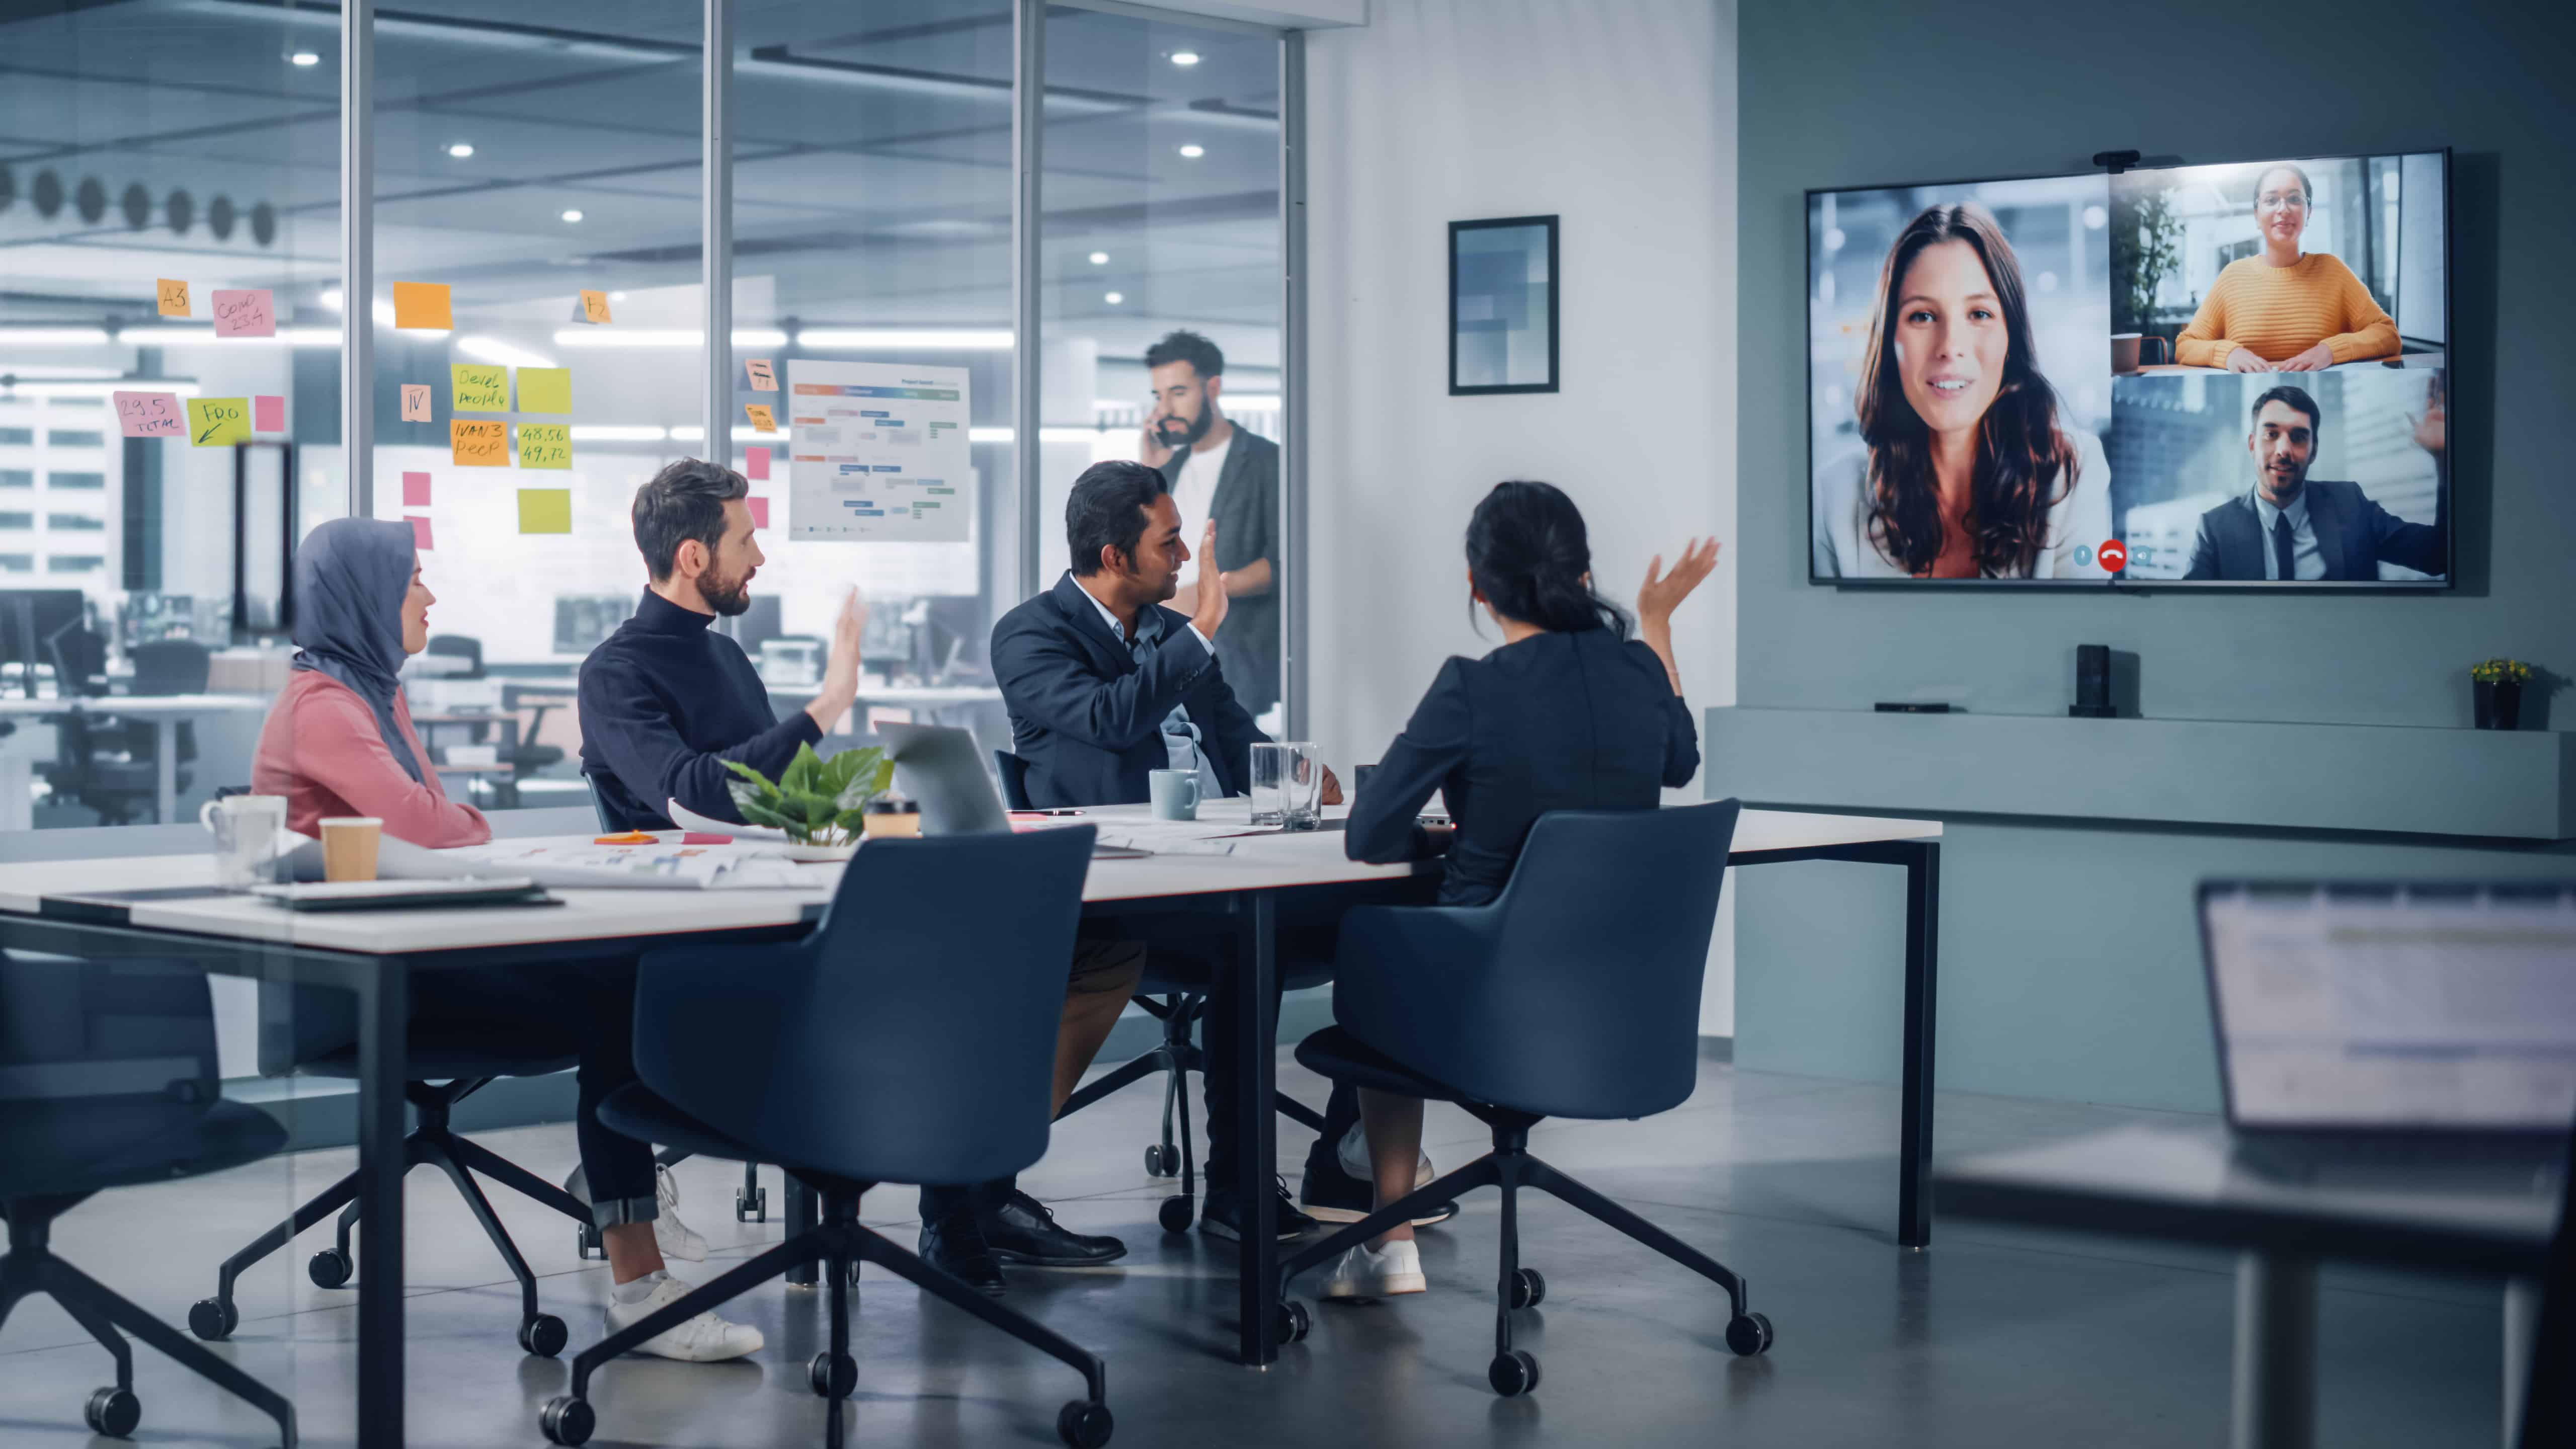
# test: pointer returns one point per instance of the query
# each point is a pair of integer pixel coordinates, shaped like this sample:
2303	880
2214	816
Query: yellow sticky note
174	298
218	422
545	510
545	389
480	387
474	443
422	304
545	445
592	308
761	419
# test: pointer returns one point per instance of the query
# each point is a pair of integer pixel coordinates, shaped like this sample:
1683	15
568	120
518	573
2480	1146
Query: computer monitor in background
886	645
583	620
32	622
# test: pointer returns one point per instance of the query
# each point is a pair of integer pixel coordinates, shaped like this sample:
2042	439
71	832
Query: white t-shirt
1194	494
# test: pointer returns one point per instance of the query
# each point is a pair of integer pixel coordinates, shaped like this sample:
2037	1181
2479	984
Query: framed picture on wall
1502	305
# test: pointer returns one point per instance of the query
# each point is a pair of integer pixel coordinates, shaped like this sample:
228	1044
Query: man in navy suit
2293	527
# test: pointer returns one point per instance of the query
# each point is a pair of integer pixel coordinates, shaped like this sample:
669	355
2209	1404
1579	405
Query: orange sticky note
762	378
423	304
756	464
759	511
415	490
761	418
251	312
174	298
268	414
419	533
475	443
415	402
593	307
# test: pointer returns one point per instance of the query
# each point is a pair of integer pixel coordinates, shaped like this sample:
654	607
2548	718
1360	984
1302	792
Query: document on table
568	866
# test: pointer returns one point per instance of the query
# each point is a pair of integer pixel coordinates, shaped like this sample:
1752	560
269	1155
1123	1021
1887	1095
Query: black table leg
803	1208
1256	1131
1914	1132
384	1022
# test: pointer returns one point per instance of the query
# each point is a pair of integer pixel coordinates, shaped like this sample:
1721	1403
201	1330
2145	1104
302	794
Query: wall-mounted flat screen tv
2214	376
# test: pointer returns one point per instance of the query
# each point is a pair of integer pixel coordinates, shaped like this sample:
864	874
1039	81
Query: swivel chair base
30	1267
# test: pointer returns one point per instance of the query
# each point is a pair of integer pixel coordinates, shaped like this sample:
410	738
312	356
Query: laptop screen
2444	1006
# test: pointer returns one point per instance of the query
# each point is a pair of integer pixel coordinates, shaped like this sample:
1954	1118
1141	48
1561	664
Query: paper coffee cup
349	846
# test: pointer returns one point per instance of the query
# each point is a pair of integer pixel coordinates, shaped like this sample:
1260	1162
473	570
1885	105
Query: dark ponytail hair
1528	554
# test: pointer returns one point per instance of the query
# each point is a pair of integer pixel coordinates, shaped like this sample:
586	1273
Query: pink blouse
321	750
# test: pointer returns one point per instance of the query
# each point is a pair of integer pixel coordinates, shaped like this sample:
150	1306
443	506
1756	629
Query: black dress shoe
1222	1217
1023	1230
955	1246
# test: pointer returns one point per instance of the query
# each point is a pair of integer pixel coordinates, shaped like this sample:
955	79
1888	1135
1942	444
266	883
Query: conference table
166	908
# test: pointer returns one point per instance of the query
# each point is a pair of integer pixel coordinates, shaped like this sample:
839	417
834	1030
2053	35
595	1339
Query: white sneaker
1366	1272
1355	1160
703	1339
675	1238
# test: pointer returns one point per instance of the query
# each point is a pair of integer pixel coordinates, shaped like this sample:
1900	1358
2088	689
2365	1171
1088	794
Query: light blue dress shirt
1181	740
2307	560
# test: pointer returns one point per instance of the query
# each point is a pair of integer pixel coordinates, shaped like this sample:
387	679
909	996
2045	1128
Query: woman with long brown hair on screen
1967	473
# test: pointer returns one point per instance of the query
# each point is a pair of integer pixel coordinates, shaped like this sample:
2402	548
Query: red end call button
2114	556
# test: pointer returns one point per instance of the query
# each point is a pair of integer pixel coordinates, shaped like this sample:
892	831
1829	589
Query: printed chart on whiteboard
878	453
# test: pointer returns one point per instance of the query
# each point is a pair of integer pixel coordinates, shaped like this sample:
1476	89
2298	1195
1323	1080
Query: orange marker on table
631	837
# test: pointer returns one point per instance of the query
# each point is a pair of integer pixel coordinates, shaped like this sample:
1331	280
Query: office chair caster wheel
1162	1161
1513	1372
113	1412
567	1421
1084	1424
1176	1214
213	1320
834	1376
1748	1334
1293	1321
589	1243
330	1268
751	1207
544	1335
1529	1289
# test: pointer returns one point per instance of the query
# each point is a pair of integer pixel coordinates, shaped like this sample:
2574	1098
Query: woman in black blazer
1569	714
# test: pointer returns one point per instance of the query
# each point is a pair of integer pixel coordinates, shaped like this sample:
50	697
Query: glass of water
1287	786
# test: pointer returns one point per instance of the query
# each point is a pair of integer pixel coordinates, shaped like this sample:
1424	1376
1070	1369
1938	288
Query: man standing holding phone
1228	475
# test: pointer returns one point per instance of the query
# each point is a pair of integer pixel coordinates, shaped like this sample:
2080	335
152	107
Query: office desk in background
164	710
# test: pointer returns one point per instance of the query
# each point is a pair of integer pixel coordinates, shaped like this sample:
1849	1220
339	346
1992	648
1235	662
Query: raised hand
1210	608
841	667
1662	592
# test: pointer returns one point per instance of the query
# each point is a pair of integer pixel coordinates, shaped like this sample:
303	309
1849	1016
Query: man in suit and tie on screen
2290	527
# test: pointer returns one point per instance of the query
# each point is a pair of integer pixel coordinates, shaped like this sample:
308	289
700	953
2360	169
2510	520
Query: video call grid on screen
2127	328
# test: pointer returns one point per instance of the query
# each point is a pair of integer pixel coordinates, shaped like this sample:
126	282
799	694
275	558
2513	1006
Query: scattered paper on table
545	445
423	304
268	414
591	307
150	415
419	533
415	490
545	510
218	422
174	298
762	379
415	402
762	419
476	444
250	312
759	511
756	464
545	389
479	387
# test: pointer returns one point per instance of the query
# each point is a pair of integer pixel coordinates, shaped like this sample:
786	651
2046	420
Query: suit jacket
2353	533
1088	717
1246	509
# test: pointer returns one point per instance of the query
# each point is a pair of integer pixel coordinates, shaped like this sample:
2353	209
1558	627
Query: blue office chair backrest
910	1038
1576	992
608	824
1014	773
98	1060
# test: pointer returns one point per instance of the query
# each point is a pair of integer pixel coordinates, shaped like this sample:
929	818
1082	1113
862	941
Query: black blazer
1246	508
1088	718
1554	722
2353	533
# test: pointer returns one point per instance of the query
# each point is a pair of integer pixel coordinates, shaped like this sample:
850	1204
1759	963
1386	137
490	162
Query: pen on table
1060	810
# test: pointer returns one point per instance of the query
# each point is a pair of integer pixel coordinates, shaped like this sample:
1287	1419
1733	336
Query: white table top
134	705
1263	862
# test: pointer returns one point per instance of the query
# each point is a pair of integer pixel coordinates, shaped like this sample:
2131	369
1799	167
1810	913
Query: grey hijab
351	577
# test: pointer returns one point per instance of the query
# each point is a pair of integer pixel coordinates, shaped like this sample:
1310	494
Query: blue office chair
111	1070
909	1039
1574	994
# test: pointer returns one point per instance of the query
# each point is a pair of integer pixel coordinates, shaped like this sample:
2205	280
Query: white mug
246	830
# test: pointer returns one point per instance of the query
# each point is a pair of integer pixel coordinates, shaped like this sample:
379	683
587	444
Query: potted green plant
2495	692
820	803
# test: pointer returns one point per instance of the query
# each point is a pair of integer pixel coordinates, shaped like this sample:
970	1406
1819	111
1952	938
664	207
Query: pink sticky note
268	414
759	511
416	491
420	534
151	415
756	466
247	313
415	402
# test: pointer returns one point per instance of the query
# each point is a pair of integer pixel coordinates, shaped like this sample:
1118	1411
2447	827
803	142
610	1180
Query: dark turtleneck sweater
665	701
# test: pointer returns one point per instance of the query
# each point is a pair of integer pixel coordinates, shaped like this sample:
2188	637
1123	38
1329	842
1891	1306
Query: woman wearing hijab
339	741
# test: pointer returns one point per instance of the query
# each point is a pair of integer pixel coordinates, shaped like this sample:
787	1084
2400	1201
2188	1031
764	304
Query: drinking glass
1270	773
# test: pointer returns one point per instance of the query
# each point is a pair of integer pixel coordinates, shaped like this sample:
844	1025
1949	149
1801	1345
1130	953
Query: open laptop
2422	1023
943	770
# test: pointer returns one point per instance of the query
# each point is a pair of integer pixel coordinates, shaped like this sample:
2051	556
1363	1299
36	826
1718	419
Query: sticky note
759	511
150	415
473	443
755	463
415	490
174	298
415	402
479	387
593	307
761	418
423	304
545	445
268	414
247	313
218	422
762	379
545	510
419	533
545	389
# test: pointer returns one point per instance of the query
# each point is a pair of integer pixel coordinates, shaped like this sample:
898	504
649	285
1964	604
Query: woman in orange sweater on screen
2285	310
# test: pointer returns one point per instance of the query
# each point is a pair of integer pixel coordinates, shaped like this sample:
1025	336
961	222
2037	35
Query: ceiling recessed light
460	149
1100	259
1185	57
1194	150
305	57
572	216
1114	298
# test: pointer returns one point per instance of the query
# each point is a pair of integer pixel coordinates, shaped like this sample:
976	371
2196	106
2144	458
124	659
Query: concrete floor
1990	1338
